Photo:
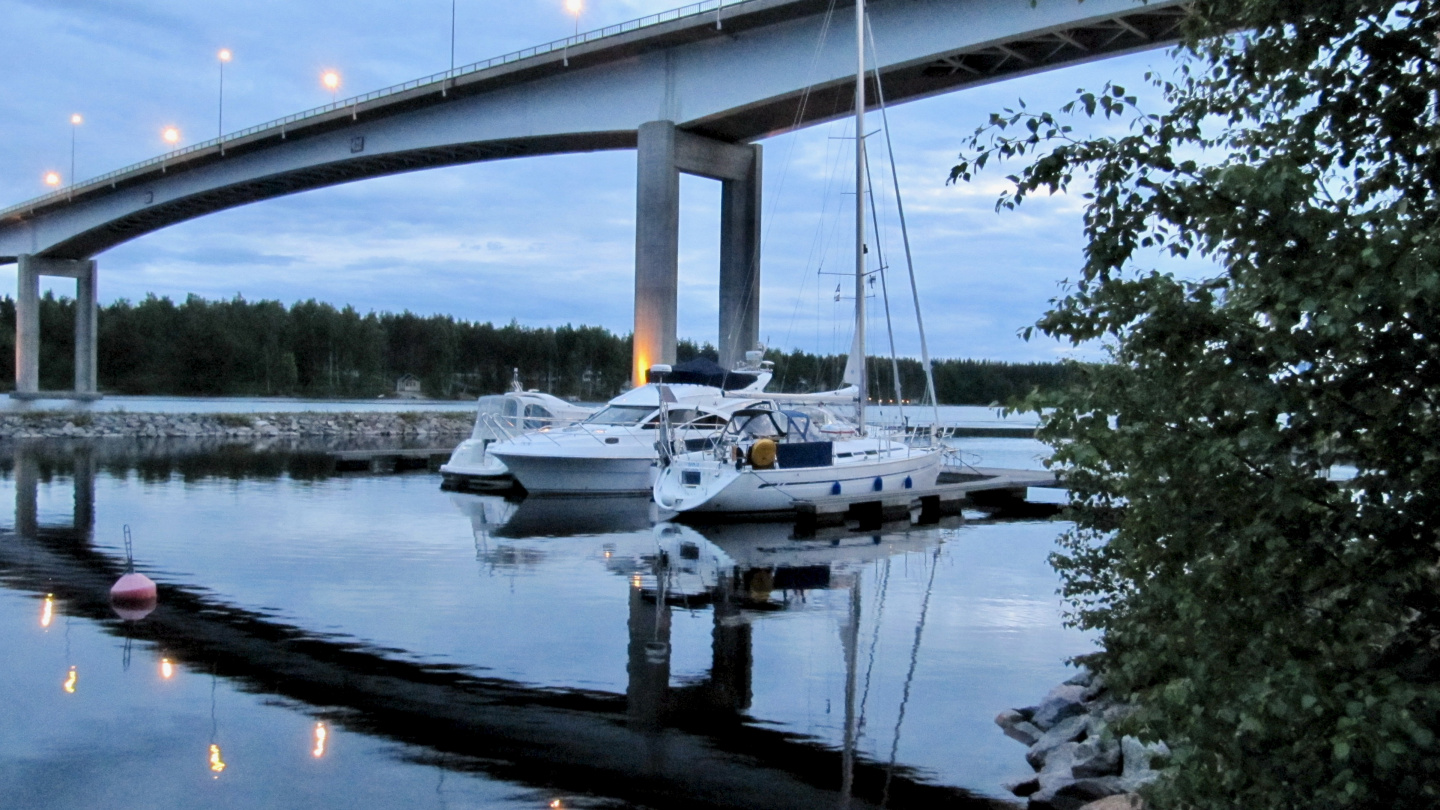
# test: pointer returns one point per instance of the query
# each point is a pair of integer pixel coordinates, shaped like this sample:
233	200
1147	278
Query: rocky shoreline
119	424
1079	762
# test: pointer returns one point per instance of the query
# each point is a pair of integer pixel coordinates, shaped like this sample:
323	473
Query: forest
236	347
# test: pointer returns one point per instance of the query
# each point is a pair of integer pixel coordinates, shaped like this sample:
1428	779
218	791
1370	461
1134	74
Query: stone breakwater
1078	760
248	425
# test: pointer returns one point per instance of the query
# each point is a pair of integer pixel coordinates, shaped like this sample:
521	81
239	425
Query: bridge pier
27	326
663	152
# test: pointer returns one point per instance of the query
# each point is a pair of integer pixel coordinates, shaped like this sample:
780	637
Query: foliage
1279	626
239	347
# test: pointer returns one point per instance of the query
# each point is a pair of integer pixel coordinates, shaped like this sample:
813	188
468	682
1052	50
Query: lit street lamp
171	135
75	122
224	56
574	7
331	80
52	179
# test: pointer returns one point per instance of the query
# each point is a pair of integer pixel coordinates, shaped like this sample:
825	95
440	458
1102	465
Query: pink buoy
133	588
133	596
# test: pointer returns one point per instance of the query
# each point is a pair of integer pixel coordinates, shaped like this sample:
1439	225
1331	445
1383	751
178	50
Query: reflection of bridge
691	92
657	745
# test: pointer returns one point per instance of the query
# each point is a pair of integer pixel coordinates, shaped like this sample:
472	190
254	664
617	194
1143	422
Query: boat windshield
759	424
621	415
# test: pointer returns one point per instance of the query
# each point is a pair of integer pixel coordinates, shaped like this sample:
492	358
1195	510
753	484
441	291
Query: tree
1278	626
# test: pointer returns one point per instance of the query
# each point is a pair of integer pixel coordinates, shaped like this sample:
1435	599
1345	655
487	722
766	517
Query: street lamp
574	7
52	179
171	135
331	80
224	56
75	122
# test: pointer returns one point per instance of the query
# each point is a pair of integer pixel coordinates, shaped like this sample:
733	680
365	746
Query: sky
470	241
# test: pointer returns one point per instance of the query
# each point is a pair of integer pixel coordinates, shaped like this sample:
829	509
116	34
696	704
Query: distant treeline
262	348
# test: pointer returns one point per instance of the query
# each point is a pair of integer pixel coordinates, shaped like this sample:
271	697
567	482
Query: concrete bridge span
691	90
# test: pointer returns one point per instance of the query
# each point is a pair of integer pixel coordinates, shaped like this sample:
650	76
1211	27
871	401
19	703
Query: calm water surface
373	641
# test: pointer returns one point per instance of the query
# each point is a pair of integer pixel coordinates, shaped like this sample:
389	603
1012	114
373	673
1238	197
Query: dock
990	488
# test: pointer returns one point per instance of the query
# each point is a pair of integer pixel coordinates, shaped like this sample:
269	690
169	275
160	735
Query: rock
1062	702
1096	758
1081	678
1121	801
1138	759
1022	787
1088	790
1065	732
1015	726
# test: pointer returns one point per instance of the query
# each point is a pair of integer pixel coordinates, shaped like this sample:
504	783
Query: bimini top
704	371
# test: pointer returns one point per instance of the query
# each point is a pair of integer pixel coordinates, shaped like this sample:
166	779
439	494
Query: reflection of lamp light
47	611
167	669
216	763
321	734
70	681
556	804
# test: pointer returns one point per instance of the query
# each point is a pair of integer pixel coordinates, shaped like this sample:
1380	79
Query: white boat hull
561	475
471	467
723	489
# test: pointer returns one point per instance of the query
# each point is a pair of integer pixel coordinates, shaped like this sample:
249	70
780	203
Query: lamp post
224	56
574	7
452	36
331	80
75	121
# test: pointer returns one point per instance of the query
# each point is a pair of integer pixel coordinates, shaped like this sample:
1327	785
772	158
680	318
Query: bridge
690	90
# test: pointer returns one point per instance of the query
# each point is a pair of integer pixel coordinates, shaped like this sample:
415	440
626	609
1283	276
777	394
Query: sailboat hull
721	489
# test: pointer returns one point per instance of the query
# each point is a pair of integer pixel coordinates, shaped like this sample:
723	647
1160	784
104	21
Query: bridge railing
717	7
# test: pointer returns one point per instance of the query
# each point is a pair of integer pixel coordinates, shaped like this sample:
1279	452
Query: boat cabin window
536	417
621	415
677	417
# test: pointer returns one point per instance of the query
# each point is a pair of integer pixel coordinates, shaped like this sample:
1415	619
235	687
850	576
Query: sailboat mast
859	346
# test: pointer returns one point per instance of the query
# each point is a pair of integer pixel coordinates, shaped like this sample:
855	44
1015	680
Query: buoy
133	596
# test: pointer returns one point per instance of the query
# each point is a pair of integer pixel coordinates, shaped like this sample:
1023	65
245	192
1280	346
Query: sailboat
768	459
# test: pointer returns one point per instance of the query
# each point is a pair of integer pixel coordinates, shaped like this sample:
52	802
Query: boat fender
908	483
762	454
835	488
879	483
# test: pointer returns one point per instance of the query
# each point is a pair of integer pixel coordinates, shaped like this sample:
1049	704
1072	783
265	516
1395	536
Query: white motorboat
499	417
768	459
614	451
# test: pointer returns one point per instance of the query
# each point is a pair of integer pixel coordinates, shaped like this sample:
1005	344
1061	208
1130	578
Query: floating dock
992	488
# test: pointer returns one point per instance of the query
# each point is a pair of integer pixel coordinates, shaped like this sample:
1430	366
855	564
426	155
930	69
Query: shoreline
121	424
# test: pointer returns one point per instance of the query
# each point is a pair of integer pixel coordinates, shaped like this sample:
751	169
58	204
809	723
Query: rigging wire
905	236
910	677
884	290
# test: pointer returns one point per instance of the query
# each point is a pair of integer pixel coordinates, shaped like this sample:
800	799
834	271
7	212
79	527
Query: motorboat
613	452
499	417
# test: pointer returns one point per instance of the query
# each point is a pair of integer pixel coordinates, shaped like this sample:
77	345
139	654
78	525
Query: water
373	640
